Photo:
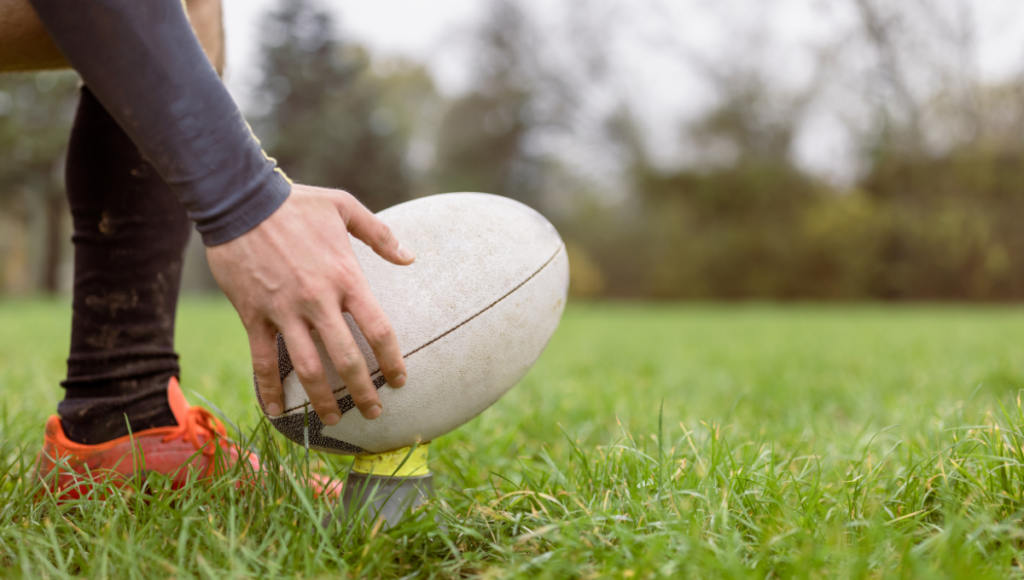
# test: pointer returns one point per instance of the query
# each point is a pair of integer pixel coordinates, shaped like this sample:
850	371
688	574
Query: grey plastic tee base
370	498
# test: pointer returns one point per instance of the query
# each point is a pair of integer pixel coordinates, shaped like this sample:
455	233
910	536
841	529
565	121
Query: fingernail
399	381
332	419
273	409
374	412
405	253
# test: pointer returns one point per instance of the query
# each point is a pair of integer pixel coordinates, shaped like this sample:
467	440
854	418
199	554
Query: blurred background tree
482	142
35	120
329	118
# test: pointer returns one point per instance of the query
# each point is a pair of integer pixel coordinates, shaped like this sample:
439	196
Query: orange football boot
198	443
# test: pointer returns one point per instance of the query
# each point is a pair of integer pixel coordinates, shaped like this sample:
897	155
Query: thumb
374	233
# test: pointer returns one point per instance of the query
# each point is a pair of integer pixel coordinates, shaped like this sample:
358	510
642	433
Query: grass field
649	442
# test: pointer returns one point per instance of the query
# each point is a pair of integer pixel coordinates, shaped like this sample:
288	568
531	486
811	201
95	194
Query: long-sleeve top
144	64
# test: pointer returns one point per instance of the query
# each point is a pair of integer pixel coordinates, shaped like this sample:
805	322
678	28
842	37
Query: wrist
249	213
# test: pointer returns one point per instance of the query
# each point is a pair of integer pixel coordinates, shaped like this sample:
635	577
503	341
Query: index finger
368	228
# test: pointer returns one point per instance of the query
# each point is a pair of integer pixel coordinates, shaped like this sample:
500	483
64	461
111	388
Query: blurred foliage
35	118
931	216
329	119
914	227
36	111
489	138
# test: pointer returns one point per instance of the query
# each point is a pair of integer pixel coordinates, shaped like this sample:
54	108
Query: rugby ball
472	314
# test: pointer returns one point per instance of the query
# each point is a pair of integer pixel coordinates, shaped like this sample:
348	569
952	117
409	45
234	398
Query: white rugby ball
472	314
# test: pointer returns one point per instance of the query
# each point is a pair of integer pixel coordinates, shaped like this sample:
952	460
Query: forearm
143	62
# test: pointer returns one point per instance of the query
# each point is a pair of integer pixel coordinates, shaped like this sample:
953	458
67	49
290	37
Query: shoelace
199	421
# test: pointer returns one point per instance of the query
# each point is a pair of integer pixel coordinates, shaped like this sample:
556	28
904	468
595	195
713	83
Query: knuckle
345	272
383	235
307	370
264	368
378	330
278	304
310	294
350	362
252	319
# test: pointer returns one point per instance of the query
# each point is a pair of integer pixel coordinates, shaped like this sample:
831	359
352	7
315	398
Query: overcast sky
417	28
663	88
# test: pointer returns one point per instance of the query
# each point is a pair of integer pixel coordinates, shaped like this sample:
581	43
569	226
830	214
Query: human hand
295	272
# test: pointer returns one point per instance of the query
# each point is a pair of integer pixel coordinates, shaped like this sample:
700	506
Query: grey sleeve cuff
248	214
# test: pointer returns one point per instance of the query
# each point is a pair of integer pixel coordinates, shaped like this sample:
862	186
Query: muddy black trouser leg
130	235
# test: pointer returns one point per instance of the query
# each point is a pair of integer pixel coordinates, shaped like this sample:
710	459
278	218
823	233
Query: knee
25	45
207	18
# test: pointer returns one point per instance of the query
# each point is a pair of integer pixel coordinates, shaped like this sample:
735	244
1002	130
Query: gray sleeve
144	64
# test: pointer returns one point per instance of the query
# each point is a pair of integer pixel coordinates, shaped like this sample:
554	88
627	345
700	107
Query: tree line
931	214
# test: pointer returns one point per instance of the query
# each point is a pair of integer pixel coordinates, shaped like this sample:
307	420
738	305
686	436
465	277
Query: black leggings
130	235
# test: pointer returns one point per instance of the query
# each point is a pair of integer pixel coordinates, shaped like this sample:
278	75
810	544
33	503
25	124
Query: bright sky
648	42
424	30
